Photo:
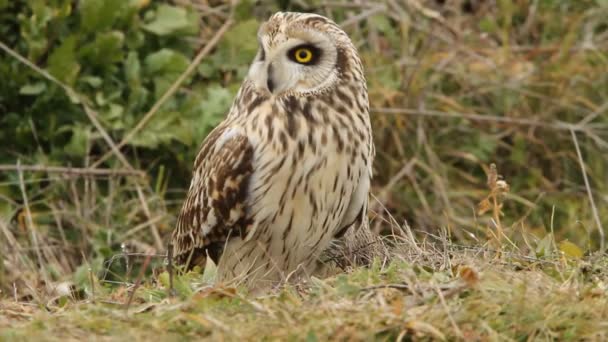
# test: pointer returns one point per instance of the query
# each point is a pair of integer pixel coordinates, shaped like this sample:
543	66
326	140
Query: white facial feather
288	76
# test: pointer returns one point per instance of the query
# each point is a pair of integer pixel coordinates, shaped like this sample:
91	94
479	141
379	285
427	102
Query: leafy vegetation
454	87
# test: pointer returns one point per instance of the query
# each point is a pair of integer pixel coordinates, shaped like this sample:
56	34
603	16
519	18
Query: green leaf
166	61
165	66
344	287
78	143
311	336
570	249
545	246
244	8
487	25
519	150
484	146
172	20
82	275
113	116
33	88
106	49
133	69
100	15
206	70
34	27
205	107
93	81
162	129
238	47
62	61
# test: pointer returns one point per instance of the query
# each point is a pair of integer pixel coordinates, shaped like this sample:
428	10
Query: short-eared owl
288	171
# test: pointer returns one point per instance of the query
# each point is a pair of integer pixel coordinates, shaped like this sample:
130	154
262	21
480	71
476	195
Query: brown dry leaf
497	187
397	306
143	3
484	206
21	220
217	292
120	294
468	275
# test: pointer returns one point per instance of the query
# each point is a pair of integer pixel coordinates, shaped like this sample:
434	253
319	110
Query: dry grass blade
32	230
73	170
596	216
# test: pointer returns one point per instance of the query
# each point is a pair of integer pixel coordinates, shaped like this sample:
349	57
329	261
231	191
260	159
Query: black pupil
303	54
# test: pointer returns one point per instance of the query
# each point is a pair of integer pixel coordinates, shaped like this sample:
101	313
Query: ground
429	291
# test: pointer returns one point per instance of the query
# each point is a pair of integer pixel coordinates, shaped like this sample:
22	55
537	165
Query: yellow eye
303	55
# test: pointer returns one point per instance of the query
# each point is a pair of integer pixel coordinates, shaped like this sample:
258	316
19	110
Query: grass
455	88
440	292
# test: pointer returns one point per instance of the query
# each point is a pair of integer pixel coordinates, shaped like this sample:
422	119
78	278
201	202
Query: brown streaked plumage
288	171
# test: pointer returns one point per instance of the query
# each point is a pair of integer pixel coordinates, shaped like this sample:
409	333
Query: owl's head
302	54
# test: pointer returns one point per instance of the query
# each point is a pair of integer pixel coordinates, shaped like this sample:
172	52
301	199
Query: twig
138	281
478	117
73	170
363	15
195	62
387	286
170	269
140	227
596	216
144	205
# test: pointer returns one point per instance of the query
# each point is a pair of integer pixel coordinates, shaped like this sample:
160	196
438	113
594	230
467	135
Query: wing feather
215	206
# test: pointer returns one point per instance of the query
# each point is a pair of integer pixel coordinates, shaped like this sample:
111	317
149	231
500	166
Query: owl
287	172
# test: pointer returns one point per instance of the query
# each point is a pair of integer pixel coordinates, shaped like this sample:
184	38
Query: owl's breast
301	190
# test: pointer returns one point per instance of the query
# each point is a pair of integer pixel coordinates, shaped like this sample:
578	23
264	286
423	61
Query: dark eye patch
316	53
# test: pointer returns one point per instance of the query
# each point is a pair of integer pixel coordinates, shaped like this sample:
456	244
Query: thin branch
153	228
141	226
142	271
362	16
479	117
596	216
170	269
73	170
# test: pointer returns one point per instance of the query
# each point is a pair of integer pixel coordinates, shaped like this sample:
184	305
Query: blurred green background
454	86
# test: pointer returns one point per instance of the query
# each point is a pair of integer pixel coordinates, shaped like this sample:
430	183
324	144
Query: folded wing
215	207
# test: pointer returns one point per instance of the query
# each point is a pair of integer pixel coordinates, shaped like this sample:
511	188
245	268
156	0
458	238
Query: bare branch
77	171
